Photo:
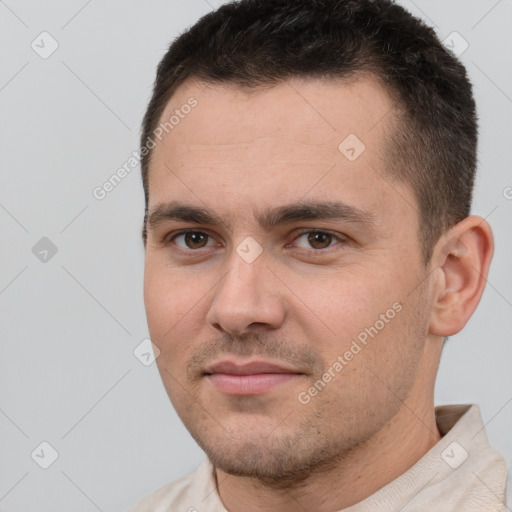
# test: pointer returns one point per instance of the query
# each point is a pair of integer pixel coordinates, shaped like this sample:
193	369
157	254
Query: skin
238	153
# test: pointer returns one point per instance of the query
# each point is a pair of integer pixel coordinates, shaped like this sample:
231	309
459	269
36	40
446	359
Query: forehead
306	110
277	144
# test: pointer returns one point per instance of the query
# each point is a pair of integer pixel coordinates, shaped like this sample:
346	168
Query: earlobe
463	256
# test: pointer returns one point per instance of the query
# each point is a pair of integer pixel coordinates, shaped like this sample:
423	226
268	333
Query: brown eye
319	240
195	240
191	240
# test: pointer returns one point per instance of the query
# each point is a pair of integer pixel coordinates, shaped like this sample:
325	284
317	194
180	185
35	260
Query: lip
249	368
248	379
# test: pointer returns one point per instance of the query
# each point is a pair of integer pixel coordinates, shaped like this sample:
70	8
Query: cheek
172	307
340	305
168	292
358	315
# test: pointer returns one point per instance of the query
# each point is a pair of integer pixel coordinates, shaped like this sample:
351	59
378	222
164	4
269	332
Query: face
284	284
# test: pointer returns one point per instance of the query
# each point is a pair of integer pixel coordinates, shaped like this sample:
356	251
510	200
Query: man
308	169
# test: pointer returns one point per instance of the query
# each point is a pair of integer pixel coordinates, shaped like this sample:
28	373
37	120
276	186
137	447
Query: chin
272	461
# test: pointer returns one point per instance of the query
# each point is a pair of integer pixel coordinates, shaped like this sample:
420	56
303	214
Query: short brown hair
253	43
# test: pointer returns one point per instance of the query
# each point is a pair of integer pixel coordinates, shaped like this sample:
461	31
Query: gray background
68	375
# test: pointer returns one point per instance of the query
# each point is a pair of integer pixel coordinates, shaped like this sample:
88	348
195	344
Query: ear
462	257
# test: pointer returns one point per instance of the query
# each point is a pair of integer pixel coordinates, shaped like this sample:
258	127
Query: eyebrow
267	219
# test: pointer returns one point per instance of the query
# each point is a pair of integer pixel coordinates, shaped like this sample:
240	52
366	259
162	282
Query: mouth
249	379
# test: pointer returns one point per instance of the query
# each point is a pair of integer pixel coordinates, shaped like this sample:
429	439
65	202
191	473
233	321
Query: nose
246	299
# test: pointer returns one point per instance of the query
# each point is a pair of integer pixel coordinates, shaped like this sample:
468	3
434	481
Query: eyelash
337	238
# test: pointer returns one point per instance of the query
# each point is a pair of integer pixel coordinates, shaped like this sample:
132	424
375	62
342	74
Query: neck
395	448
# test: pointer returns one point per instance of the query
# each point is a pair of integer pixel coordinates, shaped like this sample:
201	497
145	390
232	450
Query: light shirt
460	473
